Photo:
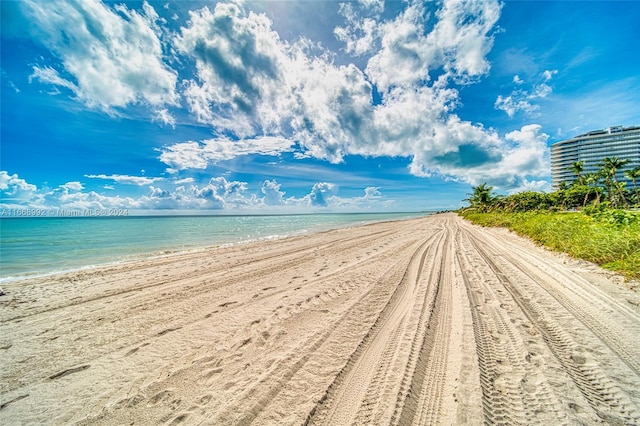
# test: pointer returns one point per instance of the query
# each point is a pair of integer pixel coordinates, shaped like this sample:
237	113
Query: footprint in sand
179	419
207	377
160	397
204	399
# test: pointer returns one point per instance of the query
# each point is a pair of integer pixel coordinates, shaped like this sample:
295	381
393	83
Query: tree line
599	190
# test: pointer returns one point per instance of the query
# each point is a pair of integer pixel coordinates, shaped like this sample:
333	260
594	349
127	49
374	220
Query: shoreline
115	258
408	318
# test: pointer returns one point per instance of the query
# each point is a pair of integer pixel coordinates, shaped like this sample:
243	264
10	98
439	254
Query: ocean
42	245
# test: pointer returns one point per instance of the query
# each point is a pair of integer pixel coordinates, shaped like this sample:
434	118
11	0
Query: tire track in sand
422	404
438	322
358	393
288	369
606	398
501	350
567	289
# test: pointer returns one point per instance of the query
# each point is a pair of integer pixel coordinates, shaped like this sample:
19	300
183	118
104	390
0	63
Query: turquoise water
33	246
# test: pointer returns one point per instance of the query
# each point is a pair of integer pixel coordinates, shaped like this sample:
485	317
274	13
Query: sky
239	107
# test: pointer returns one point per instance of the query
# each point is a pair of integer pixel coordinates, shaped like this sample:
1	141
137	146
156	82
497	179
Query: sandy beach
415	322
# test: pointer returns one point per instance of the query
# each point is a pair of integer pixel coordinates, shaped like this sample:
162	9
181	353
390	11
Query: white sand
425	321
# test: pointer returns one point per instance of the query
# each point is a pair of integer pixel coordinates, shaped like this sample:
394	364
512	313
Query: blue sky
275	107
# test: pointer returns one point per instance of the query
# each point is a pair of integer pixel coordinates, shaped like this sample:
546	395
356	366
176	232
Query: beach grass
610	241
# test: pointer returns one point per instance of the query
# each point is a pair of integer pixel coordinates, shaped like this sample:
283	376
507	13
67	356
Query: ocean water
36	246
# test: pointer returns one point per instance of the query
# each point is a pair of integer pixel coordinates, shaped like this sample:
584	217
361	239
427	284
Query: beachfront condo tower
591	148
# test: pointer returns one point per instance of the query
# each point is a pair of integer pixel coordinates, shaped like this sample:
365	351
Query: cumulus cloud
405	49
527	151
532	185
520	99
262	95
272	194
197	155
163	116
360	33
321	194
91	200
218	193
371	199
462	36
240	69
515	102
251	84
110	57
486	157
458	43
14	190
73	186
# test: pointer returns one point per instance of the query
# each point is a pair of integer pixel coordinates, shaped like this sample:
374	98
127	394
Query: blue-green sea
35	246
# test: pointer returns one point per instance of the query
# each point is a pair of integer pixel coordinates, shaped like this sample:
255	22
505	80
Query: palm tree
634	174
578	167
610	166
591	179
481	196
599	175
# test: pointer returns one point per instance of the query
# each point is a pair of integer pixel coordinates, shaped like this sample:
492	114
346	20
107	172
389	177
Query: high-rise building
591	148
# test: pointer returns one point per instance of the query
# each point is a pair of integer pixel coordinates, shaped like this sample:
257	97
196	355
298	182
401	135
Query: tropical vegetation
599	190
594	218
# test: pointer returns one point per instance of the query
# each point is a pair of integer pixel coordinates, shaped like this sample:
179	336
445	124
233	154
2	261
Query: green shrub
610	238
614	216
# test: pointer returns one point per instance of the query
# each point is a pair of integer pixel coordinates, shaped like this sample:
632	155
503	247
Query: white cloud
272	194
18	193
240	65
360	33
196	155
183	181
514	103
51	76
505	164
163	116
458	42
114	57
250	83
462	36
88	201
125	179
529	151
14	190
262	95
374	6
548	74
322	193
333	112
405	54
532	185
520	100
72	186
217	194
371	192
